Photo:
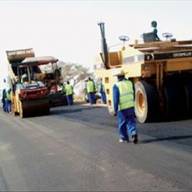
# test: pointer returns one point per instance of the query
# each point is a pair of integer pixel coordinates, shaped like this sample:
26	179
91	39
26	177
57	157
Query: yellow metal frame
131	61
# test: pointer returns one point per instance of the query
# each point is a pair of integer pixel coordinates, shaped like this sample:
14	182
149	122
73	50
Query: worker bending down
123	99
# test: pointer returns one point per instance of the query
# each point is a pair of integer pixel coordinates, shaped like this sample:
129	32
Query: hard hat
24	75
154	24
118	72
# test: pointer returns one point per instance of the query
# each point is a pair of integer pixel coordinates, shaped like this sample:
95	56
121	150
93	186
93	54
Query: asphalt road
76	149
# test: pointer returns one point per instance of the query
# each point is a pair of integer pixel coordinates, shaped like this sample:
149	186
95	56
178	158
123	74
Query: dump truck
29	95
160	70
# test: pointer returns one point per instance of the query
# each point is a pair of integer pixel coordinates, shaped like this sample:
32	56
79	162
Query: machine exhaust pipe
104	55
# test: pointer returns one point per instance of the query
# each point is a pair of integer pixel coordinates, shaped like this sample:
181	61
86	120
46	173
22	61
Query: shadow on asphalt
156	131
171	138
61	111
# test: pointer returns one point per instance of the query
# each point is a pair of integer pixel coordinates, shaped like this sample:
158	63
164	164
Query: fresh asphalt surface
76	149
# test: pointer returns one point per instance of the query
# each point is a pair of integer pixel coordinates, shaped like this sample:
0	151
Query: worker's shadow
170	138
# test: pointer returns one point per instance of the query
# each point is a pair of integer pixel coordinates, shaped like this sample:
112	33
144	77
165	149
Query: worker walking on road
90	88
123	98
4	96
69	93
101	90
8	101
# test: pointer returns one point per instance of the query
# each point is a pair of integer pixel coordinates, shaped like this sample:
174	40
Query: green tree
73	72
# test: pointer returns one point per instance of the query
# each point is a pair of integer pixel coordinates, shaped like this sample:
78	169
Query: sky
68	30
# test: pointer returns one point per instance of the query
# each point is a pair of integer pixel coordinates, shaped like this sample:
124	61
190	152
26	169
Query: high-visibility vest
68	89
126	94
8	96
63	88
90	87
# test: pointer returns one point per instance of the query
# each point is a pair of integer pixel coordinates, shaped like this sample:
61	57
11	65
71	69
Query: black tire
174	98
46	111
146	102
188	97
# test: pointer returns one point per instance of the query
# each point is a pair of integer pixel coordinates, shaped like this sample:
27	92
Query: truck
39	90
160	70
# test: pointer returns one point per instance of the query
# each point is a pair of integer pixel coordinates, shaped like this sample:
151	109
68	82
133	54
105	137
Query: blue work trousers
4	105
92	98
103	97
69	99
7	106
126	123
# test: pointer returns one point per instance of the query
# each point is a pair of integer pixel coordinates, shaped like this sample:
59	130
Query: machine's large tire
188	97
46	111
175	100
146	102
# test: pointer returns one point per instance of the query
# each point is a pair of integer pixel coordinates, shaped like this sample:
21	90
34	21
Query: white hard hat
118	72
24	75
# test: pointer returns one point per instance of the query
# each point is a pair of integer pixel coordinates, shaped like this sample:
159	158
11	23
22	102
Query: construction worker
24	79
4	96
123	99
8	101
69	93
90	88
101	90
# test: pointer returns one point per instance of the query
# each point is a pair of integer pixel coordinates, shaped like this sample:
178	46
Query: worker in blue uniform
123	99
4	96
90	88
8	101
69	93
101	90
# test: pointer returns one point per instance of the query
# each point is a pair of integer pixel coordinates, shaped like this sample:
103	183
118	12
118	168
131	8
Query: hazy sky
68	30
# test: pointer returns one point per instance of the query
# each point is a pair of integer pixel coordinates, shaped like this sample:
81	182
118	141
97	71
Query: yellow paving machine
161	72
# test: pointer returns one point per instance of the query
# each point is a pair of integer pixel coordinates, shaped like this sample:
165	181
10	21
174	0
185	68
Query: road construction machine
28	95
33	90
161	72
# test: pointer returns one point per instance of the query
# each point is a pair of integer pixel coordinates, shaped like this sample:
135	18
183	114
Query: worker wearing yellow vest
69	93
90	89
4	95
123	99
8	101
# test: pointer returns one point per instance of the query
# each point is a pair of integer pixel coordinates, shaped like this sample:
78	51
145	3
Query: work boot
123	140
135	138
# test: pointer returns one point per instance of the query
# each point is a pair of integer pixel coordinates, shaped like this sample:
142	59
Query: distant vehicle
160	70
38	91
49	73
29	96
